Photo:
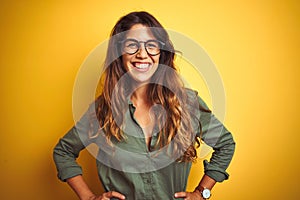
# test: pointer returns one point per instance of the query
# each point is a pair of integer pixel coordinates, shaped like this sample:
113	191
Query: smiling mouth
141	66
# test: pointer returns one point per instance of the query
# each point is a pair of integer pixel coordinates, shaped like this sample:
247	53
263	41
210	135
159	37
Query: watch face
206	193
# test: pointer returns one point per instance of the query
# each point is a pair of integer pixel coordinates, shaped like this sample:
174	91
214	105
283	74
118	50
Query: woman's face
140	65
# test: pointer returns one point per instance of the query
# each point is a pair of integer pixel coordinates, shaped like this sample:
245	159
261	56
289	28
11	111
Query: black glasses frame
145	45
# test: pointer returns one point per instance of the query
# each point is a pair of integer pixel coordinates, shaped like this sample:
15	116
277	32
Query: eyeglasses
131	46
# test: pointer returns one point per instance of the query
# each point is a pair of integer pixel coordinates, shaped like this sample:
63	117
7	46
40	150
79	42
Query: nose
142	52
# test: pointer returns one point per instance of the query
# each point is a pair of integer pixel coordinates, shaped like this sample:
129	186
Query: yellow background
255	45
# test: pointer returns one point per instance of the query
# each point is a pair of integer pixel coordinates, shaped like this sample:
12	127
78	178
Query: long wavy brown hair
174	125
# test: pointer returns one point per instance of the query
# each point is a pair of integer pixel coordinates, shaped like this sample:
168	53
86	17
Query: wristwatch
205	192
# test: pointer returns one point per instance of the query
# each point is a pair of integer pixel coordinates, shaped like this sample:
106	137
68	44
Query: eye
131	44
152	44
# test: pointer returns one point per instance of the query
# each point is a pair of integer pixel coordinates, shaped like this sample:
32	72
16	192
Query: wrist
89	197
205	193
93	198
196	191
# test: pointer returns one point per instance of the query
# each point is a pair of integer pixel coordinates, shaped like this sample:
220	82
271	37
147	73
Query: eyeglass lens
132	46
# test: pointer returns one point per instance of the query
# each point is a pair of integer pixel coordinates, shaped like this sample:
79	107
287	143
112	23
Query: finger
103	197
180	194
115	194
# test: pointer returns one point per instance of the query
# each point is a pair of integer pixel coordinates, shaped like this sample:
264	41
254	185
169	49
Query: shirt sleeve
68	148
215	134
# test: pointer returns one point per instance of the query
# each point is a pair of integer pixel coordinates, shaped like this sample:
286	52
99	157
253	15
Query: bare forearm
80	187
206	182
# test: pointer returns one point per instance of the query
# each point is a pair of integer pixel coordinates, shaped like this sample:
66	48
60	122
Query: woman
145	123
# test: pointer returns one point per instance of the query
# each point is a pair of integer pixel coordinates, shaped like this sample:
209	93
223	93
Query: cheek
125	61
157	60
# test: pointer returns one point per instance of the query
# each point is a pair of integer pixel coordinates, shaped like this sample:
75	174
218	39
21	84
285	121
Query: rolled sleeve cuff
69	172
215	172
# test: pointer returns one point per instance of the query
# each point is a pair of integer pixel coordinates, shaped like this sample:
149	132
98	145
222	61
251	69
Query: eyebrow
129	38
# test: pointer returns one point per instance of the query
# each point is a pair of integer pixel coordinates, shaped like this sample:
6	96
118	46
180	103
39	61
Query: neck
140	96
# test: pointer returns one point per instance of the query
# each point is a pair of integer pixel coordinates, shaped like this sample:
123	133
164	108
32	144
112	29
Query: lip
141	66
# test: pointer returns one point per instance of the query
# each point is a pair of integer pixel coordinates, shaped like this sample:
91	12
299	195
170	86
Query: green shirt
139	172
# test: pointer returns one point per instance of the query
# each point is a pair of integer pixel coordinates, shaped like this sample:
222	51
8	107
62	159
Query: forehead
140	32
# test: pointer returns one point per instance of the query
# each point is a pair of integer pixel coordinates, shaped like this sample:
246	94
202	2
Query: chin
141	80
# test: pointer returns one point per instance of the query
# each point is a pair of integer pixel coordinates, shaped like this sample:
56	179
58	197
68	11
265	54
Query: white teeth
142	66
